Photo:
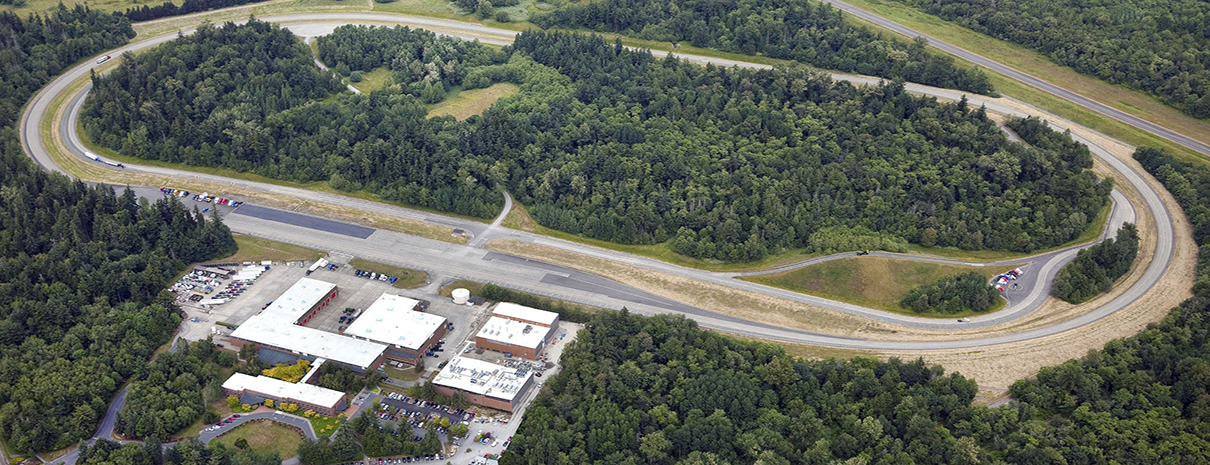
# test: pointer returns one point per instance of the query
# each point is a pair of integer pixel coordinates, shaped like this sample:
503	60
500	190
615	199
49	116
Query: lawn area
372	80
265	436
254	249
402	374
325	426
408	278
874	282
462	104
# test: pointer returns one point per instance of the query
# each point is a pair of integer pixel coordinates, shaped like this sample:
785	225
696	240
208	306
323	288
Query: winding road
471	262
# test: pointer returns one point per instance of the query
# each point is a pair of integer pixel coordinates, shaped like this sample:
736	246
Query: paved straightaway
1028	79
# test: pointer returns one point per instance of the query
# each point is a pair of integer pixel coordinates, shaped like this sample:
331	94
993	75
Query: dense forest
1096	268
661	391
952	294
38	48
1158	47
173	391
147	13
604	142
106	452
809	32
81	268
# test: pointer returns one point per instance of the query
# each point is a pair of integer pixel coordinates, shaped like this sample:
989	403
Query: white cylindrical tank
461	295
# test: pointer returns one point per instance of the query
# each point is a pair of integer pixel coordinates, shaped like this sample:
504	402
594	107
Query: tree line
608	143
1096	268
1161	48
166	9
82	268
952	294
809	32
151	452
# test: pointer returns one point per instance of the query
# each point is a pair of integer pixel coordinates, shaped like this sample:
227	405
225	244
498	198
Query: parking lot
354	291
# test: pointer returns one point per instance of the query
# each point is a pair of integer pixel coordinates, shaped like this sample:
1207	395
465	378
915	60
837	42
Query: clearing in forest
464	104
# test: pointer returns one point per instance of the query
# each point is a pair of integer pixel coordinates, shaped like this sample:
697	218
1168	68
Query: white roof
482	377
270	331
513	332
283	390
297	300
522	312
391	320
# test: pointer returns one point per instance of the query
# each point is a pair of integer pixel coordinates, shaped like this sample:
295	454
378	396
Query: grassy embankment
874	282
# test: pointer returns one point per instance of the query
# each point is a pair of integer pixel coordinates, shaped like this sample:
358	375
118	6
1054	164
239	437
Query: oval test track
36	112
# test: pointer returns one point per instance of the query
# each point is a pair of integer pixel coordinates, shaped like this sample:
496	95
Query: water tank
461	296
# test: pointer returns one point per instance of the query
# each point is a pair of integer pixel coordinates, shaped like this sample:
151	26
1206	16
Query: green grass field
408	278
462	104
372	80
264	436
874	282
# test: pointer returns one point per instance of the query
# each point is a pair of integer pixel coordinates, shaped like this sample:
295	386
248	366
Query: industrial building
393	320
484	383
254	390
517	330
525	314
277	328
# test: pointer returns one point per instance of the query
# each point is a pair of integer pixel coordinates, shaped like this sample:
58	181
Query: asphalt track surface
306	221
1028	79
450	260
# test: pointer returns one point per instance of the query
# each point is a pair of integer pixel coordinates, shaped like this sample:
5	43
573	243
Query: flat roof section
512	310
270	331
390	320
513	332
483	378
282	390
297	300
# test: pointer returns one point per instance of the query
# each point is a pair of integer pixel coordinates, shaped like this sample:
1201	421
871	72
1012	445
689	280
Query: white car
103	59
